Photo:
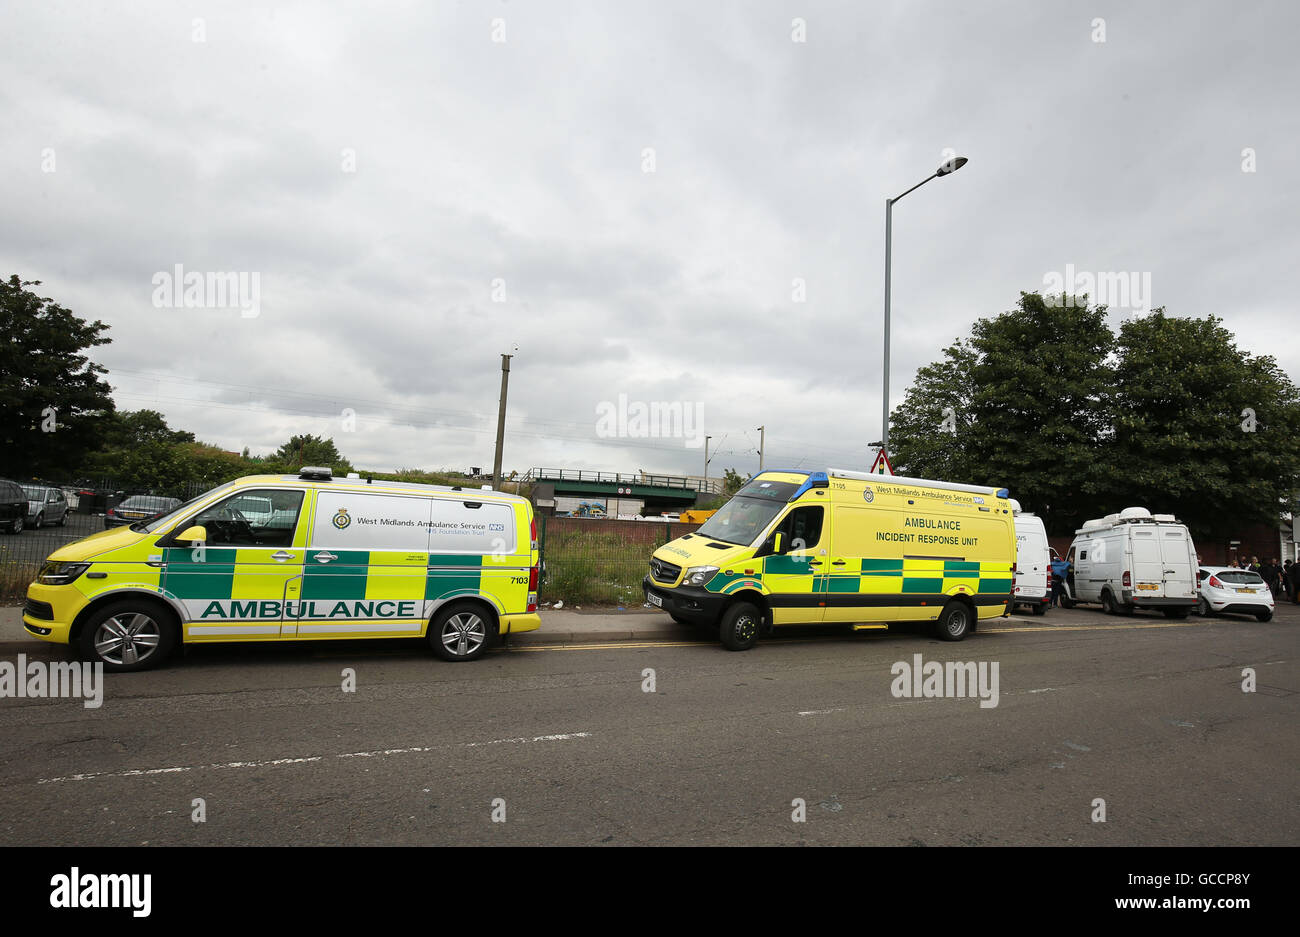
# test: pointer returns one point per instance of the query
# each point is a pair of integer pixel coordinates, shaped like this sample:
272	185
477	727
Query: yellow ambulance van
839	546
306	557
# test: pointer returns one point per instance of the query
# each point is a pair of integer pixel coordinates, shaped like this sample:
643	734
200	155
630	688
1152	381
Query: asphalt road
1147	714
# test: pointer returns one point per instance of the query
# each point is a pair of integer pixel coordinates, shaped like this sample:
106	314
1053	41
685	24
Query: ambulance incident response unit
1033	561
1133	559
305	557
804	548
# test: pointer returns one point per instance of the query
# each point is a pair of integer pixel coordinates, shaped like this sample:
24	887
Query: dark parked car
138	508
13	506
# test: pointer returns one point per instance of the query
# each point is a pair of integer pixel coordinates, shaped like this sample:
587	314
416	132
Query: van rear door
1148	563
1179	571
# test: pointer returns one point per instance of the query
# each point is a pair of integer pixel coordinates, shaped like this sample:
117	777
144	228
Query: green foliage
311	450
595	568
1201	425
1077	422
732	482
47	383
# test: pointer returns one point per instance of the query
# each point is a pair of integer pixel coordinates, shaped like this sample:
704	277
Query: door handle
324	557
280	556
814	562
837	562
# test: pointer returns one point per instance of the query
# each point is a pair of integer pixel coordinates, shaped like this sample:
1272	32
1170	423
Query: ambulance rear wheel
460	632
954	621
128	636
738	630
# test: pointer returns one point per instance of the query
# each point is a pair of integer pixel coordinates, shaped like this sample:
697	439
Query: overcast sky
419	187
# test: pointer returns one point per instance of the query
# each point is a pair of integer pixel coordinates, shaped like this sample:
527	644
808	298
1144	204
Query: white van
1134	559
1033	587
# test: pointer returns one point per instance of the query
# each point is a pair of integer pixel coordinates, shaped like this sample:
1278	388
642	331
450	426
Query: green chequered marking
730	577
882	567
467	577
995	586
787	566
343	578
845	583
957	567
922	585
186	577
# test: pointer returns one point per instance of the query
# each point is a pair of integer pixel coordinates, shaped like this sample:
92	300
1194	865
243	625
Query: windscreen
743	518
1240	577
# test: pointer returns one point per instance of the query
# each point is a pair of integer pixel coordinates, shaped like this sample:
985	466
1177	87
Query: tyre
1264	614
1203	607
739	628
62	520
40	519
1039	609
16	527
128	635
1066	602
954	621
1108	603
460	632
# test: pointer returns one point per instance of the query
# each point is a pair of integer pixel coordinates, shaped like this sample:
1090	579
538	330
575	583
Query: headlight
60	574
698	575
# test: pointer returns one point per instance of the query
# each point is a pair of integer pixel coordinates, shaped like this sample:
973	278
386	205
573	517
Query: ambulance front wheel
460	632
127	636
738	630
954	621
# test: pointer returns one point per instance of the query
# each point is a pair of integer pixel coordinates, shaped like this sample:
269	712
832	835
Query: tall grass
594	568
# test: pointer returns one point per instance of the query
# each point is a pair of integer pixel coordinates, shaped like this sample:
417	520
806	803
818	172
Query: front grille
42	611
664	572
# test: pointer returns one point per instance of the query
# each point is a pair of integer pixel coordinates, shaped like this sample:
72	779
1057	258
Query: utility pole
501	422
761	447
706	460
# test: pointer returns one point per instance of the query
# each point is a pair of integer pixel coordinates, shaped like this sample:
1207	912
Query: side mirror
192	534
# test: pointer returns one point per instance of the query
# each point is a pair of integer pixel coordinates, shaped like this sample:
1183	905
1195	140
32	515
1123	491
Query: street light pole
947	168
761	446
706	460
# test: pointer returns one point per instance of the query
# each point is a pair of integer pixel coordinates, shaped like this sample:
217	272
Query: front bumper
689	603
50	610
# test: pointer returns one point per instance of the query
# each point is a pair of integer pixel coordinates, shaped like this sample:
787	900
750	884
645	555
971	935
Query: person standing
1060	570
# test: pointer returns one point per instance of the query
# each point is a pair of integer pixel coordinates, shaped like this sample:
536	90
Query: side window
262	518
1083	554
801	529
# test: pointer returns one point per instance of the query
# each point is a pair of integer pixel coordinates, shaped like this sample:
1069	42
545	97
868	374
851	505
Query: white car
1224	589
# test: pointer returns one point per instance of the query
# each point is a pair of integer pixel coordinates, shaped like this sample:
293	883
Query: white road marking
820	712
416	750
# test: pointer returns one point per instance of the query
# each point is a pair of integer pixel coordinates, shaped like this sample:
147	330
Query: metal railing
680	482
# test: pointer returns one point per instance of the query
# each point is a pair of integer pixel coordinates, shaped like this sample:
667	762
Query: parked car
13	506
1224	589
138	508
45	505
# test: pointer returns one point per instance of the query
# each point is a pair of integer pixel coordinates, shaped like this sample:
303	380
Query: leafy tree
1202	429
931	429
310	450
732	482
52	399
124	429
1028	393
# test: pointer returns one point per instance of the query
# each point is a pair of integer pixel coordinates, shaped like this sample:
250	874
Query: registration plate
654	600
1247	591
1148	586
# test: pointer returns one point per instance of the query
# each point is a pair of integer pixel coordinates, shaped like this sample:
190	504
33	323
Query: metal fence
598	562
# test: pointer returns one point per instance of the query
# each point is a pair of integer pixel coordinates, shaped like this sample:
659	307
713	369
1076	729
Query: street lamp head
952	166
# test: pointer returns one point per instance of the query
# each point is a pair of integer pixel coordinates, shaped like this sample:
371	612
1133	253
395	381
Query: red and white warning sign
881	464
